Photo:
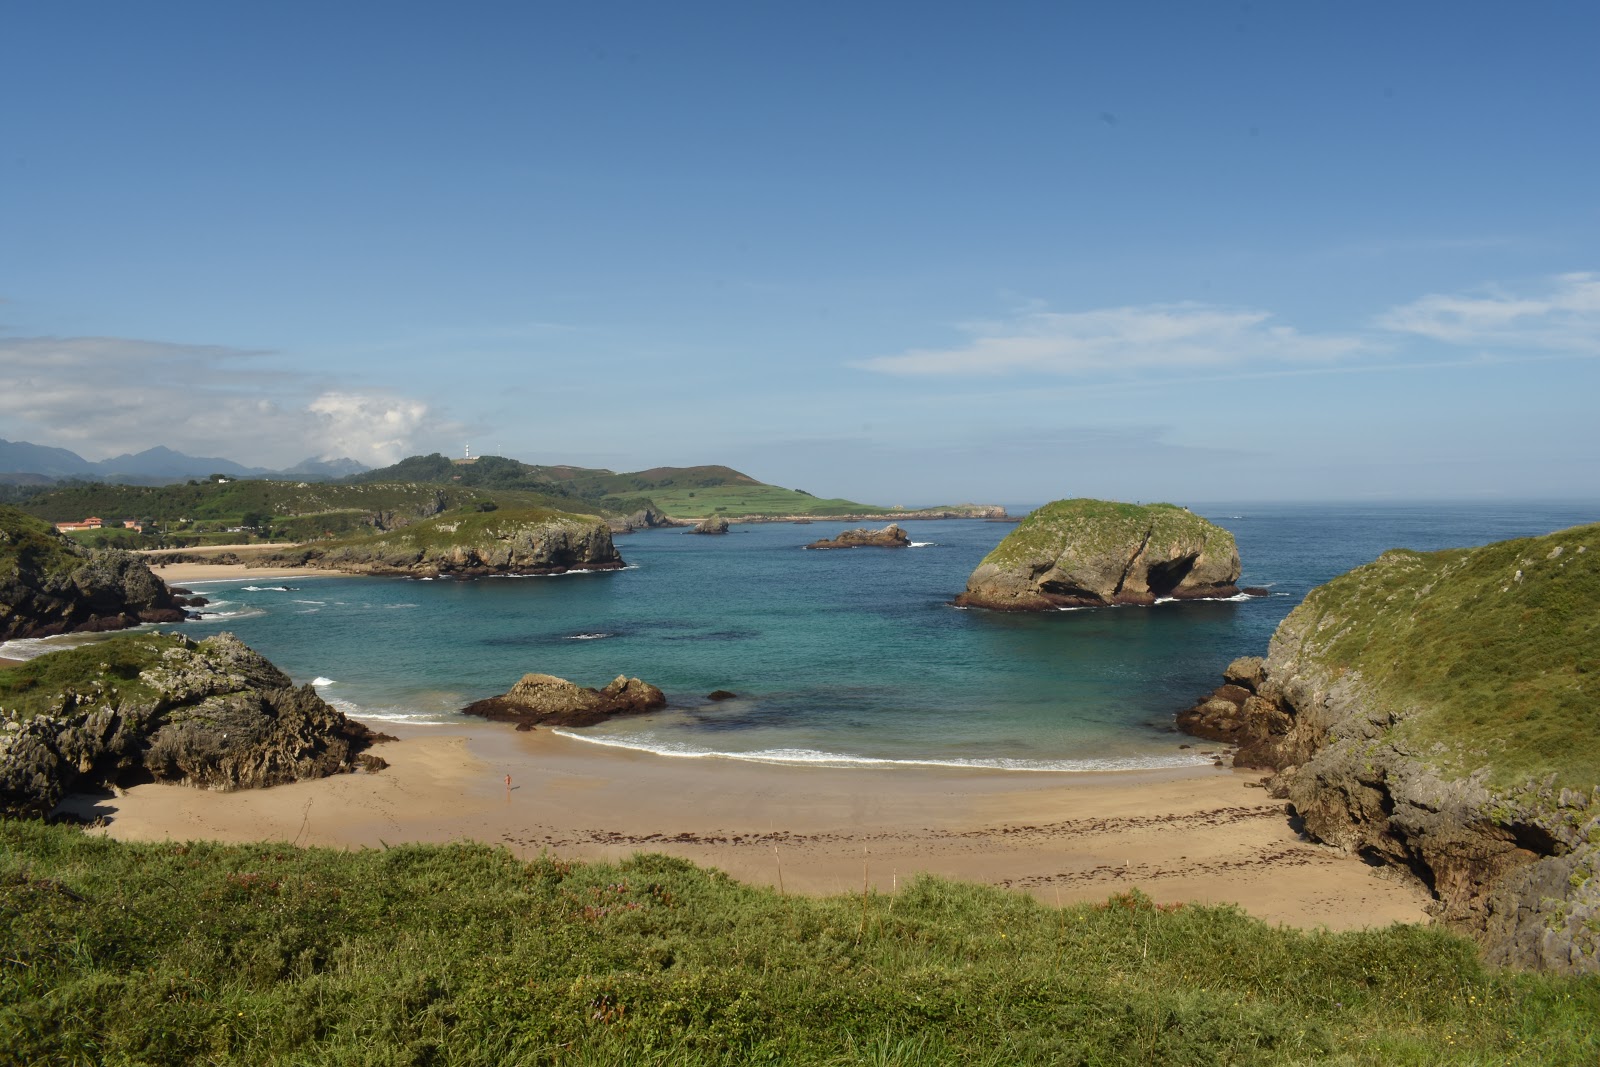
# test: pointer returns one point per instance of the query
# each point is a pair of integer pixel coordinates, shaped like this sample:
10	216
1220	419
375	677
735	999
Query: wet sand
1192	834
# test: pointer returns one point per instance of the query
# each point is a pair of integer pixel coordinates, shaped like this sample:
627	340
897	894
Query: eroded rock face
213	713
1095	553
545	700
891	536
712	524
49	584
1512	862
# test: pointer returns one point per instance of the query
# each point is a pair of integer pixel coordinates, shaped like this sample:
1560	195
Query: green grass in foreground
201	953
31	687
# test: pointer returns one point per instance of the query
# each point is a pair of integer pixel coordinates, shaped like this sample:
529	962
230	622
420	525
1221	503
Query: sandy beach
182	573
1195	834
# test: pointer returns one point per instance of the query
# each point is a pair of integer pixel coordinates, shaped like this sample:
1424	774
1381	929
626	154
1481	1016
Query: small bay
837	657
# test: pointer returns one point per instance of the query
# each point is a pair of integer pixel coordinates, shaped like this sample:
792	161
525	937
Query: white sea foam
587	637
219	616
569	571
813	758
266	588
308	611
393	607
922	544
29	647
369	713
310	601
319	681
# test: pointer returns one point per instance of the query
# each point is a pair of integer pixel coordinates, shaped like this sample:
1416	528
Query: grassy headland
169	953
1489	656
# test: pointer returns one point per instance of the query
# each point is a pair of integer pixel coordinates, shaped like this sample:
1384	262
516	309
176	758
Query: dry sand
181	573
1196	834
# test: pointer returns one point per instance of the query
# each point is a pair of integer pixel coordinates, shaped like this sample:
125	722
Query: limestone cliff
50	584
1437	713
467	543
1093	553
545	700
213	713
714	524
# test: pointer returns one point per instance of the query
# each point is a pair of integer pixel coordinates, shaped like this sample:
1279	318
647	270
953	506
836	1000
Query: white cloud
1185	336
101	396
1564	315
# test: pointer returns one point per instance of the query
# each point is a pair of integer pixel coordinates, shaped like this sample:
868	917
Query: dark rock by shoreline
891	536
545	700
161	707
50	584
711	524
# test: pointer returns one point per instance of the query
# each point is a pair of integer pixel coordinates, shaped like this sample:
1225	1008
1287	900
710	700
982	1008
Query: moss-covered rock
136	707
469	542
1439	712
1092	553
50	584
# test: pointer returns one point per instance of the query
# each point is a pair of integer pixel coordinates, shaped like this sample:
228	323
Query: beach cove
1056	773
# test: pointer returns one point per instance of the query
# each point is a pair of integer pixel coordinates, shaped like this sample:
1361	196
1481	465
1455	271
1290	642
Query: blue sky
905	253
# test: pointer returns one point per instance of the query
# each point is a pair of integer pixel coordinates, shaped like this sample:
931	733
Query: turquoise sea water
837	657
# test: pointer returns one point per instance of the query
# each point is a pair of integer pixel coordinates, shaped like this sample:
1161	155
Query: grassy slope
247	954
1097	524
28	688
1498	669
233	499
25	540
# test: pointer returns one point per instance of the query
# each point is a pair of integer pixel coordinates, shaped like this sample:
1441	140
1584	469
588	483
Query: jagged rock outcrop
159	706
49	584
545	700
711	524
645	518
1094	553
891	536
1435	713
467	543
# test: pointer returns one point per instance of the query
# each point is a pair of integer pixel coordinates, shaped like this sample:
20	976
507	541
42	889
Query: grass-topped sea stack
51	585
1095	553
1440	712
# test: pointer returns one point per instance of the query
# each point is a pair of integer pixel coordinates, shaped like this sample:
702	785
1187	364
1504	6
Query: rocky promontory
139	707
466	543
1095	553
50	584
545	700
713	524
891	536
1435	713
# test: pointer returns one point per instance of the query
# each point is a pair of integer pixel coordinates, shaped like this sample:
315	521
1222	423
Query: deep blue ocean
838	657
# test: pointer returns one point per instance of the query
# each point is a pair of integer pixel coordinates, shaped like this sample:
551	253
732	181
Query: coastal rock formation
545	700
50	584
1093	553
1434	712
891	536
645	518
712	524
468	543
159	706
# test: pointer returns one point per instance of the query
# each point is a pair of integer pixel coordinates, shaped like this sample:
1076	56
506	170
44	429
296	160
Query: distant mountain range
23	463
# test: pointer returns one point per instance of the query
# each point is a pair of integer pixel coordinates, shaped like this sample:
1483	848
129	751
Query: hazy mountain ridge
22	462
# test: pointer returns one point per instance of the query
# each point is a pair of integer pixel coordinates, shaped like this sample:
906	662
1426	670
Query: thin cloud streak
1124	339
1563	315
